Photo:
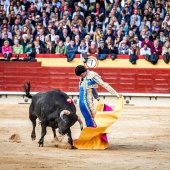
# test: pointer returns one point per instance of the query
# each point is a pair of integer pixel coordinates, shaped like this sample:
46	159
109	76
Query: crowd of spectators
133	27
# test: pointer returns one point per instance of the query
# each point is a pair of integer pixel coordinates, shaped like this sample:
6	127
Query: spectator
109	33
147	41
28	25
66	24
123	49
52	35
130	36
134	49
103	48
82	4
93	49
10	19
17	8
5	31
91	27
24	42
77	40
17	48
167	39
137	40
125	16
125	39
166	48
156	49
30	55
143	35
145	50
64	35
19	35
67	41
157	30
87	40
82	48
55	12
37	49
158	19
71	48
49	48
111	46
56	41
143	24
5	24
41	35
25	5
47	40
98	11
48	30
32	8
60	48
98	41
77	32
7	39
6	50
98	32
17	23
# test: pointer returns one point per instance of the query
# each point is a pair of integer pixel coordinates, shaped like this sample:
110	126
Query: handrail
119	56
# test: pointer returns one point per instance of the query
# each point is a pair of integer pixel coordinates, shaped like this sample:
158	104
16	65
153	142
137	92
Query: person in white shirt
82	4
41	34
82	48
145	50
6	4
136	38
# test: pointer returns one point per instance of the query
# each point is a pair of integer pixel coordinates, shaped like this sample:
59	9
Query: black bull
53	110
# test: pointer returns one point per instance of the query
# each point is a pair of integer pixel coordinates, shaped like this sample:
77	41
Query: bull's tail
27	88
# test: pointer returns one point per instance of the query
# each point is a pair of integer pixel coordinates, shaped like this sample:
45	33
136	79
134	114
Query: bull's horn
80	122
66	112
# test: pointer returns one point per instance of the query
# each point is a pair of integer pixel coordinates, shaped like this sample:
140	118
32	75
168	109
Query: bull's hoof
73	147
33	137
41	143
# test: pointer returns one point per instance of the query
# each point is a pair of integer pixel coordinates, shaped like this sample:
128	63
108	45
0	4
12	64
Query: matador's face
83	75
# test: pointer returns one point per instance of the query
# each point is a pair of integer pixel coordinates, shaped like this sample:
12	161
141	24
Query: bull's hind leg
44	125
33	120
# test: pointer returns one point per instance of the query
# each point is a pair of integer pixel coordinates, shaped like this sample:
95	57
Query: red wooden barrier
127	80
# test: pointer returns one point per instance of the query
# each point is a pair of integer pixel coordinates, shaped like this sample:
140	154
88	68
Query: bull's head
68	120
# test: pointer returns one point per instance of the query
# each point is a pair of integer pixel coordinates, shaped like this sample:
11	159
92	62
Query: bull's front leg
43	132
70	140
54	131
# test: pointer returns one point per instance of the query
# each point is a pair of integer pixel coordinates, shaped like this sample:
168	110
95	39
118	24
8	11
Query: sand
139	140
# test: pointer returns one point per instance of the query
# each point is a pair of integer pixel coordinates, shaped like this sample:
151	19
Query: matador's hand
119	95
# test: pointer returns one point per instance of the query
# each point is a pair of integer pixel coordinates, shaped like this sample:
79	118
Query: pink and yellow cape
95	137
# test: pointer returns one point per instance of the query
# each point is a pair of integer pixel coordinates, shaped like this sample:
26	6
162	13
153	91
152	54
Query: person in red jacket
156	49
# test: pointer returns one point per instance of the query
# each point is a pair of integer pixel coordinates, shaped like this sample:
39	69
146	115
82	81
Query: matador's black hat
79	70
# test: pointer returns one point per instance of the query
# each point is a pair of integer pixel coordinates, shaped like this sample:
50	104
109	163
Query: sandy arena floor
140	139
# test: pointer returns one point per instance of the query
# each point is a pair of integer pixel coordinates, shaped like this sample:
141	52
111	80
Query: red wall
127	80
